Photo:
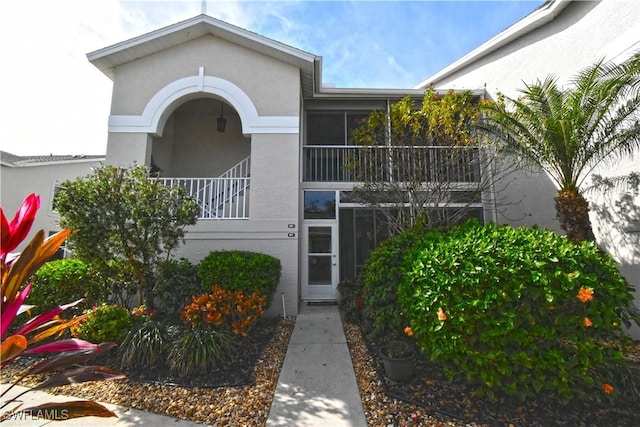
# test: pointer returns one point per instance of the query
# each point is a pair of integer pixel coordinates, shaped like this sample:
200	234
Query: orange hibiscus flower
585	294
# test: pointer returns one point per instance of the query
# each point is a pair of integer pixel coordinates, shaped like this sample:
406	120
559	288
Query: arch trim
162	104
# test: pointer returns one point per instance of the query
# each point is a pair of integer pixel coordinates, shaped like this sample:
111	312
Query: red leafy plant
15	271
234	311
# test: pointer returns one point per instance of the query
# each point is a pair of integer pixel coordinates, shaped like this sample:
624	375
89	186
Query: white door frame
320	292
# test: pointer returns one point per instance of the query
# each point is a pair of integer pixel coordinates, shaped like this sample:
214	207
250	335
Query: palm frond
568	132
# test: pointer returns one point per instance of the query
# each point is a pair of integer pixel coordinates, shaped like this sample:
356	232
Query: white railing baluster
328	163
217	198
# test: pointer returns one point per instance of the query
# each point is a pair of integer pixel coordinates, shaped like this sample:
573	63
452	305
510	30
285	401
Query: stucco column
125	149
274	176
274	202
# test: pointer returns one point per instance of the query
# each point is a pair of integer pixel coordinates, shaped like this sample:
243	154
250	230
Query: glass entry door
320	261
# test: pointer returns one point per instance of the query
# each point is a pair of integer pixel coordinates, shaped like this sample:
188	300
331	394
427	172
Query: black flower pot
399	368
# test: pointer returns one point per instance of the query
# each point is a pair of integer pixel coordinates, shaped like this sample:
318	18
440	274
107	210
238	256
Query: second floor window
332	128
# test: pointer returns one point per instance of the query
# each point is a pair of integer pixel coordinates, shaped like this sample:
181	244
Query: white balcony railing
330	163
217	198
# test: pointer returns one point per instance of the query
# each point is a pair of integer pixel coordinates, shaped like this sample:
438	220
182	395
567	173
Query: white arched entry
164	102
130	136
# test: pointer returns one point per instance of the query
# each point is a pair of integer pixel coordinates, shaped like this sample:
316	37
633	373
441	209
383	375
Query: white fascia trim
160	106
214	27
273	124
53	163
529	23
257	38
268	124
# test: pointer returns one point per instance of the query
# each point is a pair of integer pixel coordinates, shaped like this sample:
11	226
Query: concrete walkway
317	384
127	417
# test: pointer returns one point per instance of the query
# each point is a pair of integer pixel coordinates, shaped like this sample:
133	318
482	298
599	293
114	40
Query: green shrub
105	324
241	270
351	300
66	280
177	282
145	346
522	311
381	277
199	350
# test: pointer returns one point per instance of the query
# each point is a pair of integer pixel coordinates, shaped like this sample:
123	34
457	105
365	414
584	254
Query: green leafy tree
422	162
568	131
125	214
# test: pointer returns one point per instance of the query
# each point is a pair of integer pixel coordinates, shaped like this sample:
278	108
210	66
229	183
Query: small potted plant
398	359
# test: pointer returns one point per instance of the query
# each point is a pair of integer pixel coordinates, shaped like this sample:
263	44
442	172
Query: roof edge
95	56
539	17
331	92
15	161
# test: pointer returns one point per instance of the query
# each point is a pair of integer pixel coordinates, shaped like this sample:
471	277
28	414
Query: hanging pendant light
222	122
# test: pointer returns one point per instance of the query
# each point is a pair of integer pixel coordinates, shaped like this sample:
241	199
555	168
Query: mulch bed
236	394
240	393
241	371
439	400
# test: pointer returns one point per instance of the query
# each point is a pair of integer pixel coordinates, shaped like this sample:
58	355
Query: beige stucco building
23	175
245	124
273	180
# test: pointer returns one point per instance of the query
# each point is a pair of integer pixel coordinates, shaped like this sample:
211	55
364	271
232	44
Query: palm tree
569	131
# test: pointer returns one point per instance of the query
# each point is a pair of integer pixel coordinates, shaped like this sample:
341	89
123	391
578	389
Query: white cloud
54	100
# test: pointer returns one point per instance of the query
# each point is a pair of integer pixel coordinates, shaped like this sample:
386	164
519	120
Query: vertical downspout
388	141
486	167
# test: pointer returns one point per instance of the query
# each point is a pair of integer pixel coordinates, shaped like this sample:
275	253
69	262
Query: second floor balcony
330	163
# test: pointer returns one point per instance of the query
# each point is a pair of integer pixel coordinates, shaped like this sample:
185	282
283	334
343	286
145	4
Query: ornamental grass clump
518	311
145	346
214	323
197	351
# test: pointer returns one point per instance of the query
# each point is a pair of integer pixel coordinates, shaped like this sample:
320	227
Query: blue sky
55	101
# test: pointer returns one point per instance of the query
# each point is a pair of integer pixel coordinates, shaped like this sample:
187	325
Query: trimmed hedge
63	281
522	311
381	277
241	270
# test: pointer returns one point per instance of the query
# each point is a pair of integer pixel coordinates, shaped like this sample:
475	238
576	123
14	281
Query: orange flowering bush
234	311
520	311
